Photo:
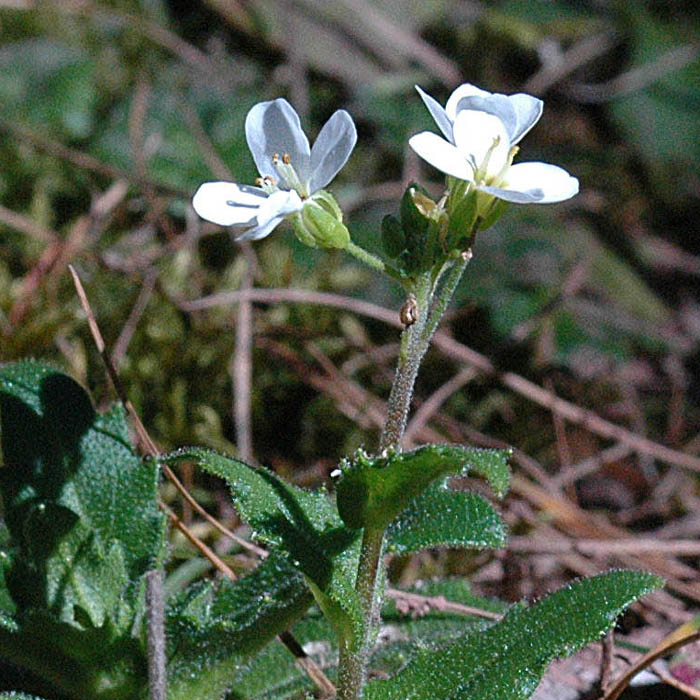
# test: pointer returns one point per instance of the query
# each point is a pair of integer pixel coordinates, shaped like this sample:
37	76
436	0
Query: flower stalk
431	296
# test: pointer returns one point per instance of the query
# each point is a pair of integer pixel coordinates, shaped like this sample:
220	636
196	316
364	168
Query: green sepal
393	238
494	212
373	491
441	517
420	229
507	660
462	218
413	221
303	524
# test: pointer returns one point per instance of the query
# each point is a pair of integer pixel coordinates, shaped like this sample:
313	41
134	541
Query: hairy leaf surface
441	517
304	524
373	491
507	660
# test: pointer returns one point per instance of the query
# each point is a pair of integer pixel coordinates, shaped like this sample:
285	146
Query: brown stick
443	341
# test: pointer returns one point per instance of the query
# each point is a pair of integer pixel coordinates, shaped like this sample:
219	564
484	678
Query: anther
286	159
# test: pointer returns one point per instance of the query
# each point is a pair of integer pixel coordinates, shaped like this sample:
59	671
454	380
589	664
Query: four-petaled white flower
481	130
290	172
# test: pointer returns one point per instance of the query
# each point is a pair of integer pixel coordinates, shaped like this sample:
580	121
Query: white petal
437	111
536	182
531	196
465	90
441	154
475	133
528	110
497	105
332	149
279	204
258	232
228	204
274	128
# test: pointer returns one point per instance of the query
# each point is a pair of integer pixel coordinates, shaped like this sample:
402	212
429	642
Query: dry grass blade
457	351
685	634
305	662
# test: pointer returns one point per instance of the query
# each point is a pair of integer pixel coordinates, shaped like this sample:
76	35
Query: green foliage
414	237
82	528
273	675
507	660
660	118
215	628
373	491
303	524
440	517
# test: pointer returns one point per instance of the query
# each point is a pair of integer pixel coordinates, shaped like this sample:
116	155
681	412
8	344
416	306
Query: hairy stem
365	256
431	305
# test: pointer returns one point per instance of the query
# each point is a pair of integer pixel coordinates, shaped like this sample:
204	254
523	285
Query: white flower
481	130
290	171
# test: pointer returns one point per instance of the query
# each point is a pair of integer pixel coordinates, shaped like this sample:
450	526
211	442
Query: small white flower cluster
480	132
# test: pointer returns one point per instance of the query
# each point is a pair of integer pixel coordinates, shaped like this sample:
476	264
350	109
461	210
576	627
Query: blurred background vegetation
112	113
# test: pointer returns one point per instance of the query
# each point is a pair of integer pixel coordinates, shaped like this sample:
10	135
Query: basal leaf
81	507
441	517
215	628
304	524
506	661
87	662
373	491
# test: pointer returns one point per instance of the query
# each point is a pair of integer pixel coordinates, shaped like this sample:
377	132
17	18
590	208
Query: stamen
288	175
498	180
480	175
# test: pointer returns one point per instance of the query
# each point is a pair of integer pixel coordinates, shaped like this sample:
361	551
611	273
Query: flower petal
497	105
535	182
258	232
441	154
528	110
274	128
475	134
465	90
279	204
228	204
438	113
332	149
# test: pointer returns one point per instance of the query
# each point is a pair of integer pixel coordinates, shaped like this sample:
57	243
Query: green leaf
393	239
304	524
441	517
12	695
373	491
81	507
507	660
214	628
85	662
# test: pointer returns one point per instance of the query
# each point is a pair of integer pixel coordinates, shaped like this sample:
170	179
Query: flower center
289	175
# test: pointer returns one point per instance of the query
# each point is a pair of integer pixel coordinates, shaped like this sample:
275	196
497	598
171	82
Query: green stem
444	296
365	256
352	664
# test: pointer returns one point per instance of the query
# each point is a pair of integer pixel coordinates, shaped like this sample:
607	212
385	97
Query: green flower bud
319	223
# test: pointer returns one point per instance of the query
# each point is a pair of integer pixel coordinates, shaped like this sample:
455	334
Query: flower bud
319	224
